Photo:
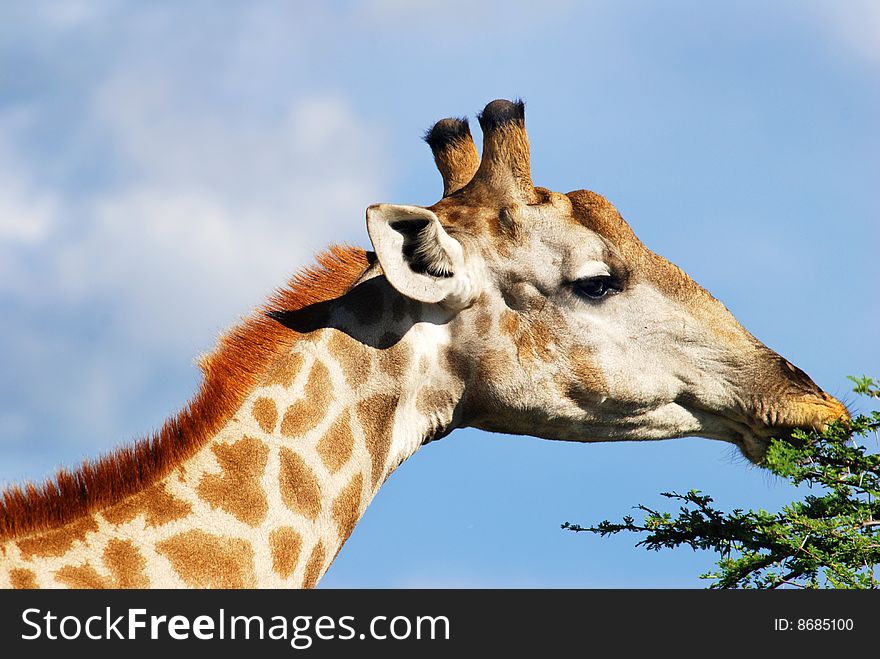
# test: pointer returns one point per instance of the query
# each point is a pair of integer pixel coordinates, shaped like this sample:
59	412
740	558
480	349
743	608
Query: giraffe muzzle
810	412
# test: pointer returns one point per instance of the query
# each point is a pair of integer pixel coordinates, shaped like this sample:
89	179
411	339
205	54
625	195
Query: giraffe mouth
752	438
780	422
752	427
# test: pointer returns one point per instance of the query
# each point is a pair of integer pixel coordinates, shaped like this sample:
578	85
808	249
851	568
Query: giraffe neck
272	497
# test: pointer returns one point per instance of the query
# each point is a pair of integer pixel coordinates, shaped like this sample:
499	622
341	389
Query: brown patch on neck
299	487
315	566
352	356
57	542
126	564
265	413
284	371
285	544
82	576
394	360
431	401
122	559
241	361
203	560
347	507
310	410
21	579
155	503
376	416
336	446
238	490
483	323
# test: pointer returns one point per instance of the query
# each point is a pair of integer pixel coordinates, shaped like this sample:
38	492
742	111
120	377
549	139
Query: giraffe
504	306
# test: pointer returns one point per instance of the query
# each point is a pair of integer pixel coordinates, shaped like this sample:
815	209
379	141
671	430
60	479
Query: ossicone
505	168
454	153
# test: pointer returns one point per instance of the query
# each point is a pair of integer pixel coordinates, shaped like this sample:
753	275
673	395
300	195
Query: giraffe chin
754	445
754	448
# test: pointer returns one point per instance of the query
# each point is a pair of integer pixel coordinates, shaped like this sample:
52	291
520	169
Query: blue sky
163	166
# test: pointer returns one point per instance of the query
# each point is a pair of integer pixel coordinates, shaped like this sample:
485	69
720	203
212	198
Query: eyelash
596	288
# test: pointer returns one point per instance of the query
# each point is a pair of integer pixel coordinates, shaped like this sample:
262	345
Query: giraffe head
562	324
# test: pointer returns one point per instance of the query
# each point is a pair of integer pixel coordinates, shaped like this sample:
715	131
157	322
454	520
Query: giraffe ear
418	257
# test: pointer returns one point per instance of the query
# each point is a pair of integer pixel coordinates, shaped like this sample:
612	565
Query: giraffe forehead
529	239
478	214
548	253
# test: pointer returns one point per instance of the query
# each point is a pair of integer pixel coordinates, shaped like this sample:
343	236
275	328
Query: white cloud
201	199
27	212
854	24
211	204
73	13
218	216
212	221
26	215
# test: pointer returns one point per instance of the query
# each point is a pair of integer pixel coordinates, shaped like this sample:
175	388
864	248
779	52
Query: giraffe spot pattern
124	562
483	323
81	576
300	489
433	400
509	323
587	371
308	412
393	360
376	416
203	560
337	444
583	381
351	355
285	545
457	363
536	341
238	489
314	566
22	579
57	542
493	365
265	413
347	507
284	371
157	505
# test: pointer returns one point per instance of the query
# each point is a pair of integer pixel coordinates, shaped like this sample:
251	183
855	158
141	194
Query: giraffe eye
596	288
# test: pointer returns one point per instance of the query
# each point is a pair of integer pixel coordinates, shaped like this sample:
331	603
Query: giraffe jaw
679	420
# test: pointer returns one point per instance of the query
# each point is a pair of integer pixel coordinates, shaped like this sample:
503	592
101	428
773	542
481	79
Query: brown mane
230	373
